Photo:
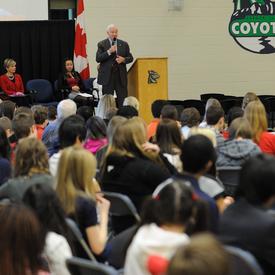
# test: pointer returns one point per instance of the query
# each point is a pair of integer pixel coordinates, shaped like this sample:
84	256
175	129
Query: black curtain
38	47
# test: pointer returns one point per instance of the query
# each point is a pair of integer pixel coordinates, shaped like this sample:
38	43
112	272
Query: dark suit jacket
250	228
106	61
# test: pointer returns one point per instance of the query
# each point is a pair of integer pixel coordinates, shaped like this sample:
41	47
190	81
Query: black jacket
250	228
62	83
132	176
106	61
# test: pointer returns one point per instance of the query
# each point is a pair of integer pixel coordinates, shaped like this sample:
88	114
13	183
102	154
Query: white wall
202	55
23	10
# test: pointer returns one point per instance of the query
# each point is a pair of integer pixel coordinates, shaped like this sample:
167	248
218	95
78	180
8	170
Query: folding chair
229	176
79	238
122	211
243	262
78	266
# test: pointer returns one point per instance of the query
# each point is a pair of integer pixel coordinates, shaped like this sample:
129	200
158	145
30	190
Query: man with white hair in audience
65	108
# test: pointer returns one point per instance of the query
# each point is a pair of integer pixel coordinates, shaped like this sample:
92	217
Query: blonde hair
76	170
205	132
249	97
9	62
104	105
131	101
256	115
31	157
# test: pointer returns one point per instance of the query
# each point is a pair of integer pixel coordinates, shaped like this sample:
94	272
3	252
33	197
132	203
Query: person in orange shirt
156	111
40	114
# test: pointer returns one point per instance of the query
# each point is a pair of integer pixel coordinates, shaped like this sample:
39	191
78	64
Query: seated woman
71	80
167	219
128	168
78	193
11	83
21	241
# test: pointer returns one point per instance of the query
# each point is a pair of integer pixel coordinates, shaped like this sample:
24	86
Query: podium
148	81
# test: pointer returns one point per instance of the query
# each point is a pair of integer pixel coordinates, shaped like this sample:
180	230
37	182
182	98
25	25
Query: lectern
148	81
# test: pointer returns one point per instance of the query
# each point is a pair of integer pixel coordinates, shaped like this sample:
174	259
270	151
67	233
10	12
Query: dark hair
168	136
196	152
7	108
52	113
96	128
157	106
43	200
174	202
170	112
64	64
214	114
233	113
257	179
190	117
240	127
85	111
4	144
40	113
127	111
21	125
70	129
22	241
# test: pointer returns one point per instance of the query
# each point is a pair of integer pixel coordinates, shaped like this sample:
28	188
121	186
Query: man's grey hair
65	108
110	27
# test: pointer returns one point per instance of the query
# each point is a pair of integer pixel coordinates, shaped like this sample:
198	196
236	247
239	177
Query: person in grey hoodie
239	147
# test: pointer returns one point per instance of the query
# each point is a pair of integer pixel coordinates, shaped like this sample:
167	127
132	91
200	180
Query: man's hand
112	49
120	59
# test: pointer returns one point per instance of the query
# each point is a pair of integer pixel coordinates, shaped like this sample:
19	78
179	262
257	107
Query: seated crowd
61	163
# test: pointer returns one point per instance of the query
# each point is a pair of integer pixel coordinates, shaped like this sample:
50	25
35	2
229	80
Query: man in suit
113	54
247	223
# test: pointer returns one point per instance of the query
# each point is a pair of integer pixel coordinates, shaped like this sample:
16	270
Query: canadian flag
81	63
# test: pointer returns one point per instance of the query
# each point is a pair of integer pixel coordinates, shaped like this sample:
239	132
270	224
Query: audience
22	242
169	140
72	131
52	114
246	223
215	122
44	202
249	97
131	101
256	115
166	218
169	112
210	102
204	255
5	123
5	167
65	109
239	147
105	103
40	114
232	114
85	112
7	109
31	167
128	168
127	111
190	117
156	108
96	134
78	193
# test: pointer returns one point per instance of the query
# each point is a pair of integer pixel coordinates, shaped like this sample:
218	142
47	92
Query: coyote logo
152	77
252	25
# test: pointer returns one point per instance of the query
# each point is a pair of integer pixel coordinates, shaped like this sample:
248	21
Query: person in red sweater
10	82
256	115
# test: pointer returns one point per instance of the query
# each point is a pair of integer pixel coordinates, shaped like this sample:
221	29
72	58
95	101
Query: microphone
114	41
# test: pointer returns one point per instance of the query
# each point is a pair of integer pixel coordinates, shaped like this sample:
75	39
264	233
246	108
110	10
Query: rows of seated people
57	163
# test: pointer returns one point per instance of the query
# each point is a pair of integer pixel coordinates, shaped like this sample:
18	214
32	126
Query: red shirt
72	81
39	130
11	87
267	143
152	128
